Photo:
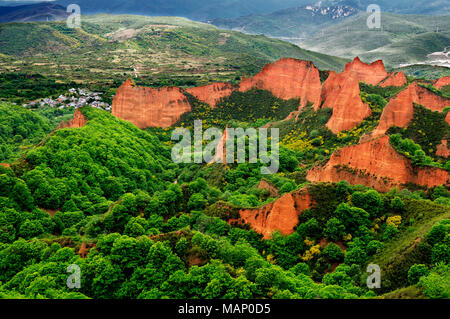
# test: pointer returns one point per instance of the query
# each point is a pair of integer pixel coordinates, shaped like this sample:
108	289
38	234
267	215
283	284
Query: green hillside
153	50
403	38
103	197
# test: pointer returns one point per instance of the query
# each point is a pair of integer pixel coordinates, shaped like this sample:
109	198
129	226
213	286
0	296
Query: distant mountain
32	12
402	39
194	9
341	30
211	9
294	23
437	7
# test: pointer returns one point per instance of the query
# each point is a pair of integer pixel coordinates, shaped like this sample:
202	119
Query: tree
22	195
352	217
389	233
397	204
355	255
415	272
334	230
440	253
197	202
333	252
370	201
30	229
373	247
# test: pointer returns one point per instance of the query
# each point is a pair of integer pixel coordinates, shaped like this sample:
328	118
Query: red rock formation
375	73
372	73
280	215
398	112
443	149
288	79
212	93
375	164
340	92
400	109
447	118
221	148
149	107
273	191
394	79
425	97
439	84
78	120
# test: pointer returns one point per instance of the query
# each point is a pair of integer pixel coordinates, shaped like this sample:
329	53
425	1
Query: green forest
103	197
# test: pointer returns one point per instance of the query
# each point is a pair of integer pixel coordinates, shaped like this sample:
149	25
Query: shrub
333	252
415	272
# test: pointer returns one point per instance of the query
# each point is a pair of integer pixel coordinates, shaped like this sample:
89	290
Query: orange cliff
281	214
375	164
149	107
341	93
288	79
439	84
375	73
212	93
443	149
400	109
78	120
394	79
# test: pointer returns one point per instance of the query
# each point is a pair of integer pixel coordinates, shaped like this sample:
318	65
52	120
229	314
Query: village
75	98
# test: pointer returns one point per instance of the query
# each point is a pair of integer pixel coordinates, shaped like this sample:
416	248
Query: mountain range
206	10
33	12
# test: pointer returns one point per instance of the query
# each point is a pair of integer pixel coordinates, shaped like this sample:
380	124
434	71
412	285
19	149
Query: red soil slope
281	214
375	164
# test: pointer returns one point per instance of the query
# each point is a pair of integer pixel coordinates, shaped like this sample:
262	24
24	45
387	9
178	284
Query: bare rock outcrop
281	214
440	83
443	149
273	191
375	164
341	93
372	73
149	107
400	109
288	79
212	93
394	79
375	73
78	120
